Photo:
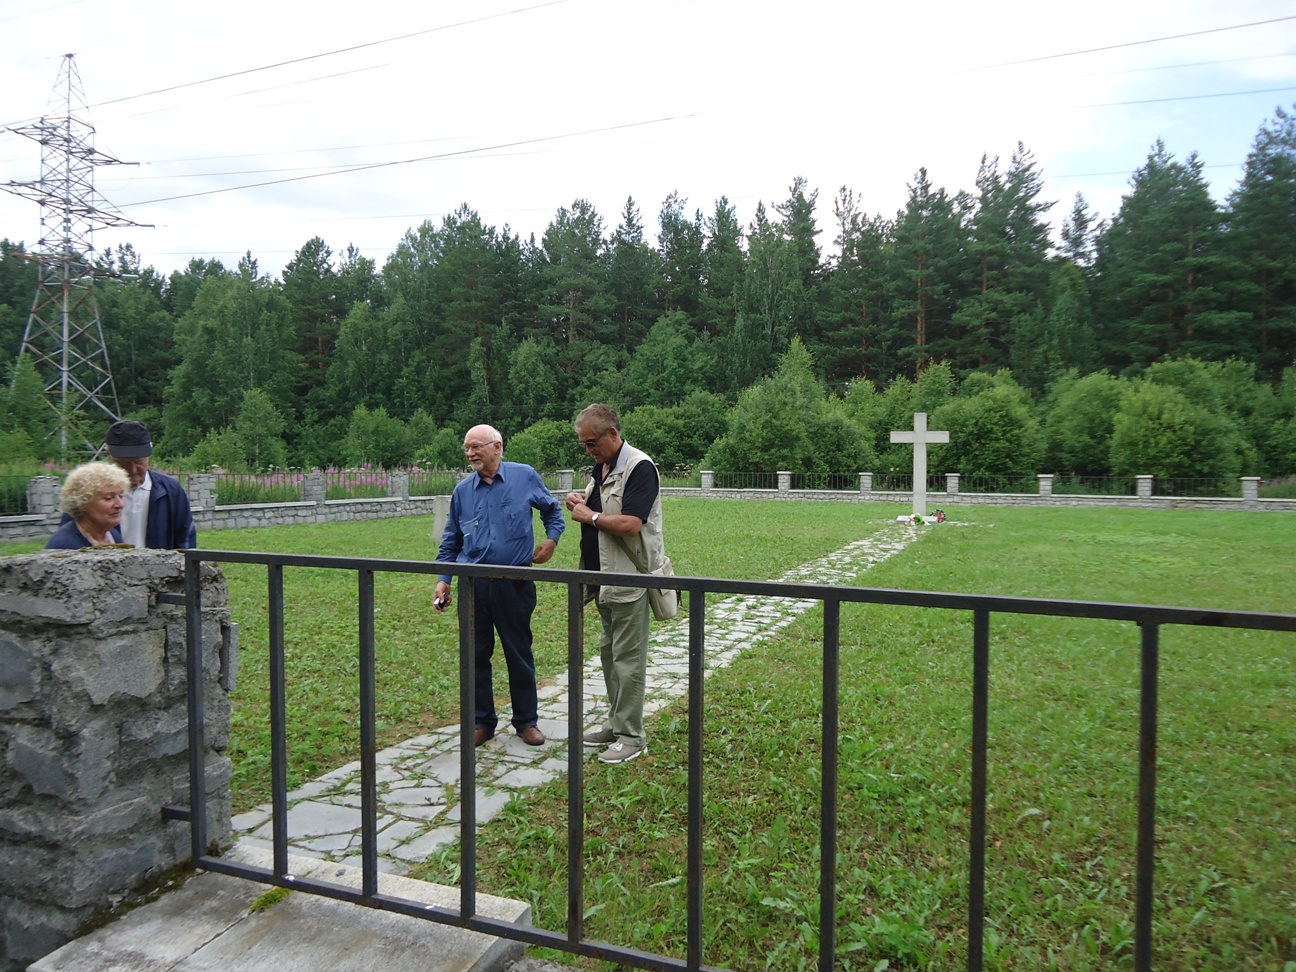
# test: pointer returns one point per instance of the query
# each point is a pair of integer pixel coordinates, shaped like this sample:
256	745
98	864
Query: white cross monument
920	437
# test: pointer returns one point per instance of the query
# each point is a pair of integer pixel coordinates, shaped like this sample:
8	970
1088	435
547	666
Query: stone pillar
708	479
43	494
398	484
951	483
440	513
784	481
866	483
1143	486
201	488
1251	492
1045	484
94	735
565	477
313	487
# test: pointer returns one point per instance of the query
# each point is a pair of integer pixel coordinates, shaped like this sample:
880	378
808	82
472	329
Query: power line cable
425	158
313	57
491	150
1116	47
1157	101
341	50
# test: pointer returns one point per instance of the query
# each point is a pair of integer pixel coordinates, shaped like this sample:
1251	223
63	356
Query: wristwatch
594	519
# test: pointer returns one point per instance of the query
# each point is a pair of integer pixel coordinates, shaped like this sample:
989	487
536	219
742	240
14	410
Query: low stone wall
43	496
21	529
329	511
94	735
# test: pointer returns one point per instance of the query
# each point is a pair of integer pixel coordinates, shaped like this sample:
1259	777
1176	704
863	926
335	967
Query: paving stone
421	848
526	776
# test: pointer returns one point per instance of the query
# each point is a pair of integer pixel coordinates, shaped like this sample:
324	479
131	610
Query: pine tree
1262	241
722	270
927	272
310	285
853	302
631	275
1079	229
679	245
1158	270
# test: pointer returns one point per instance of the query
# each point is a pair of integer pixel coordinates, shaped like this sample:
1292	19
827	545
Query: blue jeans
505	606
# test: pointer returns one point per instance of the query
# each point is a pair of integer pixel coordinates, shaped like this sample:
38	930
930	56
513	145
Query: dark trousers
505	606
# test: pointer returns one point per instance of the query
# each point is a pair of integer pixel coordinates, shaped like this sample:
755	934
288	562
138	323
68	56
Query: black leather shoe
531	735
482	734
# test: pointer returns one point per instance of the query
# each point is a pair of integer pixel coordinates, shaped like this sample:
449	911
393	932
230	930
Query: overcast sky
518	107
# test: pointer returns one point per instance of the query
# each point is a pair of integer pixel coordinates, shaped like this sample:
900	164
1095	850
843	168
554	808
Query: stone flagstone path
417	813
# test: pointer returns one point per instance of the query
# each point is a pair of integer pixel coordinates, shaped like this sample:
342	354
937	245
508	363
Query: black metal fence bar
467	747
697	673
575	764
194	706
278	722
368	739
1146	851
828	785
573	940
977	828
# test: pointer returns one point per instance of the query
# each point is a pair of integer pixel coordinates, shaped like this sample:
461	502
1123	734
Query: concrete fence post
313	487
43	494
201	488
952	483
866	483
784	481
1251	492
1144	486
708	480
440	513
1045	484
565	478
398	484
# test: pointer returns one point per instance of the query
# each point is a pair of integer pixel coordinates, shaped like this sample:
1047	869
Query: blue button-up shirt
490	523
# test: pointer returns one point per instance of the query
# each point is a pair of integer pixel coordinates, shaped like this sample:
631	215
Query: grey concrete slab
207	925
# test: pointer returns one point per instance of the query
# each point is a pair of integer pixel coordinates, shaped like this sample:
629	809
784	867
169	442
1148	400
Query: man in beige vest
621	531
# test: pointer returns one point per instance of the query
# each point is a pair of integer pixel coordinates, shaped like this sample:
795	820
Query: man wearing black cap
157	510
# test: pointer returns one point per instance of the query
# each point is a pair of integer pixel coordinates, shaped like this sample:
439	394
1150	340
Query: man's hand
544	550
441	599
574	499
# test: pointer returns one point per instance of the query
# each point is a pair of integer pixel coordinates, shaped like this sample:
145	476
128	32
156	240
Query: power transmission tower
63	335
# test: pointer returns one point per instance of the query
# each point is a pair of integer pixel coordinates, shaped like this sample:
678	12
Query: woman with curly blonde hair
93	495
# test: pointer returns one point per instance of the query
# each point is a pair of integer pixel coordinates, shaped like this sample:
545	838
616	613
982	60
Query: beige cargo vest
640	554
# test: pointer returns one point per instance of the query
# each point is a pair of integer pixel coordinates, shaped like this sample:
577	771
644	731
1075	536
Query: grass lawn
1063	741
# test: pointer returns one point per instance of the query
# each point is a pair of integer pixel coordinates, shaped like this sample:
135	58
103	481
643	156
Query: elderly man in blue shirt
490	523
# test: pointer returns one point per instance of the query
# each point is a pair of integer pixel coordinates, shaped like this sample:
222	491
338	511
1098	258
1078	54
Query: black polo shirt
637	500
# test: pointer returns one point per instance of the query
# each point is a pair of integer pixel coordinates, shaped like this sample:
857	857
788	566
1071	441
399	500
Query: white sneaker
599	737
621	752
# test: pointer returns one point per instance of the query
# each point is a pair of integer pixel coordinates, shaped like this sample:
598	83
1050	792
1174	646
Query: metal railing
1194	486
573	939
13	495
1094	486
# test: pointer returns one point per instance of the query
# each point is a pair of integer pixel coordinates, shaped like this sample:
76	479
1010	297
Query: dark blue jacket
170	521
68	537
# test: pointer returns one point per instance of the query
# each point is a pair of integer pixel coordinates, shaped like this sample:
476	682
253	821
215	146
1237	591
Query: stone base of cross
920	438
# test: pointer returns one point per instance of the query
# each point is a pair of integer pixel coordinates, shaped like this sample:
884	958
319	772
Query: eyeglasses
476	446
591	443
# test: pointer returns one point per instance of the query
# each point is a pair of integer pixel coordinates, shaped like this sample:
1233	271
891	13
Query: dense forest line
1163	338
